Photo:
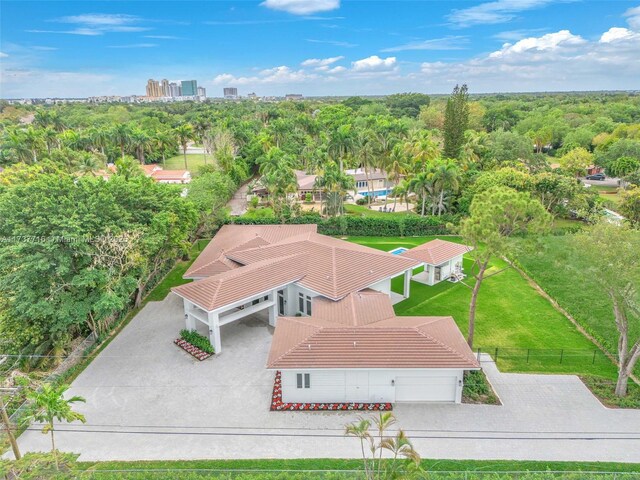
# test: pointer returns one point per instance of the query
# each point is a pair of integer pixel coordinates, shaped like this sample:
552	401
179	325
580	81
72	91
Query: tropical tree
423	149
630	206
402	191
184	133
397	168
47	405
422	185
608	255
446	176
365	154
121	135
335	184
576	161
340	145
89	163
50	139
374	443
165	141
496	216
127	167
141	143
34	141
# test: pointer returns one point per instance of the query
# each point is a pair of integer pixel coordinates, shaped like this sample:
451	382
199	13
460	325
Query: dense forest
76	251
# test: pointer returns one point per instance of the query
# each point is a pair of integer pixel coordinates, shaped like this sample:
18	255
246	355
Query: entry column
214	332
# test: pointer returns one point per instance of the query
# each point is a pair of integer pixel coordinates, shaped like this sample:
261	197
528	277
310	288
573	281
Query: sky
318	47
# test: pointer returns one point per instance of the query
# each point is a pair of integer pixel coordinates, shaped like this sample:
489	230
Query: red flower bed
195	351
278	405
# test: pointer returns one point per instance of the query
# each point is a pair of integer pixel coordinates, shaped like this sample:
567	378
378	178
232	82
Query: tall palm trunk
184	151
424	201
473	303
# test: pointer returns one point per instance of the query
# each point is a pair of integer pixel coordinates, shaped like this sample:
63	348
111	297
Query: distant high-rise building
202	92
230	92
175	90
189	88
165	88
293	96
153	88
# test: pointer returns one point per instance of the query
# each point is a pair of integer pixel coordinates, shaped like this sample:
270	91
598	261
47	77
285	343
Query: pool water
397	251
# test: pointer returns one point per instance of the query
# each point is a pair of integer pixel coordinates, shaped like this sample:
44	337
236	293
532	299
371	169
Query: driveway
607	182
147	399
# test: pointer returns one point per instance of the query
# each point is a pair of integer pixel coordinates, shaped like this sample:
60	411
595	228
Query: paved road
146	399
238	203
607	182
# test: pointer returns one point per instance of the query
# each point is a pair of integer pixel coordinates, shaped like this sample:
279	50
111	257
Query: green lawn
353	209
529	333
174	277
552	267
194	161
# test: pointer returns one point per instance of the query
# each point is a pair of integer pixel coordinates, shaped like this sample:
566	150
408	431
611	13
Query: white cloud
498	11
277	75
633	17
451	42
616	33
320	62
515	35
335	43
3	55
337	69
556	61
302	7
44	48
76	31
21	82
163	37
550	41
134	45
100	19
373	63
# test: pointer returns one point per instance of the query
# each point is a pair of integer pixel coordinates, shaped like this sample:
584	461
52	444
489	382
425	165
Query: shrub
361	201
308	198
197	340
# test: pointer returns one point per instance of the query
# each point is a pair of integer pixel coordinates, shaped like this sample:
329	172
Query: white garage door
426	389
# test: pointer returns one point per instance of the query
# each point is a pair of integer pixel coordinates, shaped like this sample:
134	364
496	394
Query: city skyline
320	47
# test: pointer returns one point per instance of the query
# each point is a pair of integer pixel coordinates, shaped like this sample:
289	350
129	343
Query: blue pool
397	251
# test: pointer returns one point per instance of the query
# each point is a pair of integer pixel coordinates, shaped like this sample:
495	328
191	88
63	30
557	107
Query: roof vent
355	344
309	346
370	271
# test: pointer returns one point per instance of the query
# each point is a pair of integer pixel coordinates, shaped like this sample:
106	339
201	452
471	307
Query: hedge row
197	340
392	226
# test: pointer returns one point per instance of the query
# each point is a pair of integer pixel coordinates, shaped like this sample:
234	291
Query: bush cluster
197	340
392	226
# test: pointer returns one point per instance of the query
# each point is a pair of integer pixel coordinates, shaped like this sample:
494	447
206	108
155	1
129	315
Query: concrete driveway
147	399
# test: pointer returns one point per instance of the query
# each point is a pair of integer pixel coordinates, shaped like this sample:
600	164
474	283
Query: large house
374	183
442	260
153	171
336	336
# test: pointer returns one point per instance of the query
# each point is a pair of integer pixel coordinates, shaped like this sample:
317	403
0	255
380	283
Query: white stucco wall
382	286
373	385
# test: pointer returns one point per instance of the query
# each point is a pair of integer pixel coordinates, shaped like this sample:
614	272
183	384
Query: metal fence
546	356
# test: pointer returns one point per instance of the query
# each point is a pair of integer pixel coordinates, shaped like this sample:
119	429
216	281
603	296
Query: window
303	380
304	304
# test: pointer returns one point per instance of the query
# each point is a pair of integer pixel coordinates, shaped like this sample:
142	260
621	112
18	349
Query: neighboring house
380	186
591	169
442	260
376	185
154	171
336	336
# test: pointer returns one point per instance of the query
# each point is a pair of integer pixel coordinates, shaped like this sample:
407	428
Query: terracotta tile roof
335	267
234	285
436	252
212	261
180	175
358	308
359	174
399	342
149	169
306	181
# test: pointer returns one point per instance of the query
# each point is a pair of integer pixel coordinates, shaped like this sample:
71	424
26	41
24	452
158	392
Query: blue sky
318	47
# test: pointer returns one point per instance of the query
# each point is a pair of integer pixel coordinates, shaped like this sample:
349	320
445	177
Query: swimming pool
397	251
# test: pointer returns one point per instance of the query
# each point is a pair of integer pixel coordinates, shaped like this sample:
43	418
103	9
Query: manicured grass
194	160
352	209
343	464
530	335
174	277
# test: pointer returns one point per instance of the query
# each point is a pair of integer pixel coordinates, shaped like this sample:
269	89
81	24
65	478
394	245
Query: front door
438	274
281	302
357	386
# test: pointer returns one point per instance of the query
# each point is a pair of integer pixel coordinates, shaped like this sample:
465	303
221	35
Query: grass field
529	333
194	161
553	268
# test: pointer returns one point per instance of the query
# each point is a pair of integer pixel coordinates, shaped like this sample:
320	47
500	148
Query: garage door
426	389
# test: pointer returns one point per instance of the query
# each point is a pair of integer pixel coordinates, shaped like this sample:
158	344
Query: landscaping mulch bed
278	405
604	388
192	350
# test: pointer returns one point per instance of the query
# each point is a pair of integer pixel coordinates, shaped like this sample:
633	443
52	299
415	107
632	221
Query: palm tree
13	142
165	140
184	133
141	143
89	164
402	191
423	149
50	138
48	404
33	140
127	167
474	148
335	184
397	168
421	185
341	144
121	136
365	153
446	176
